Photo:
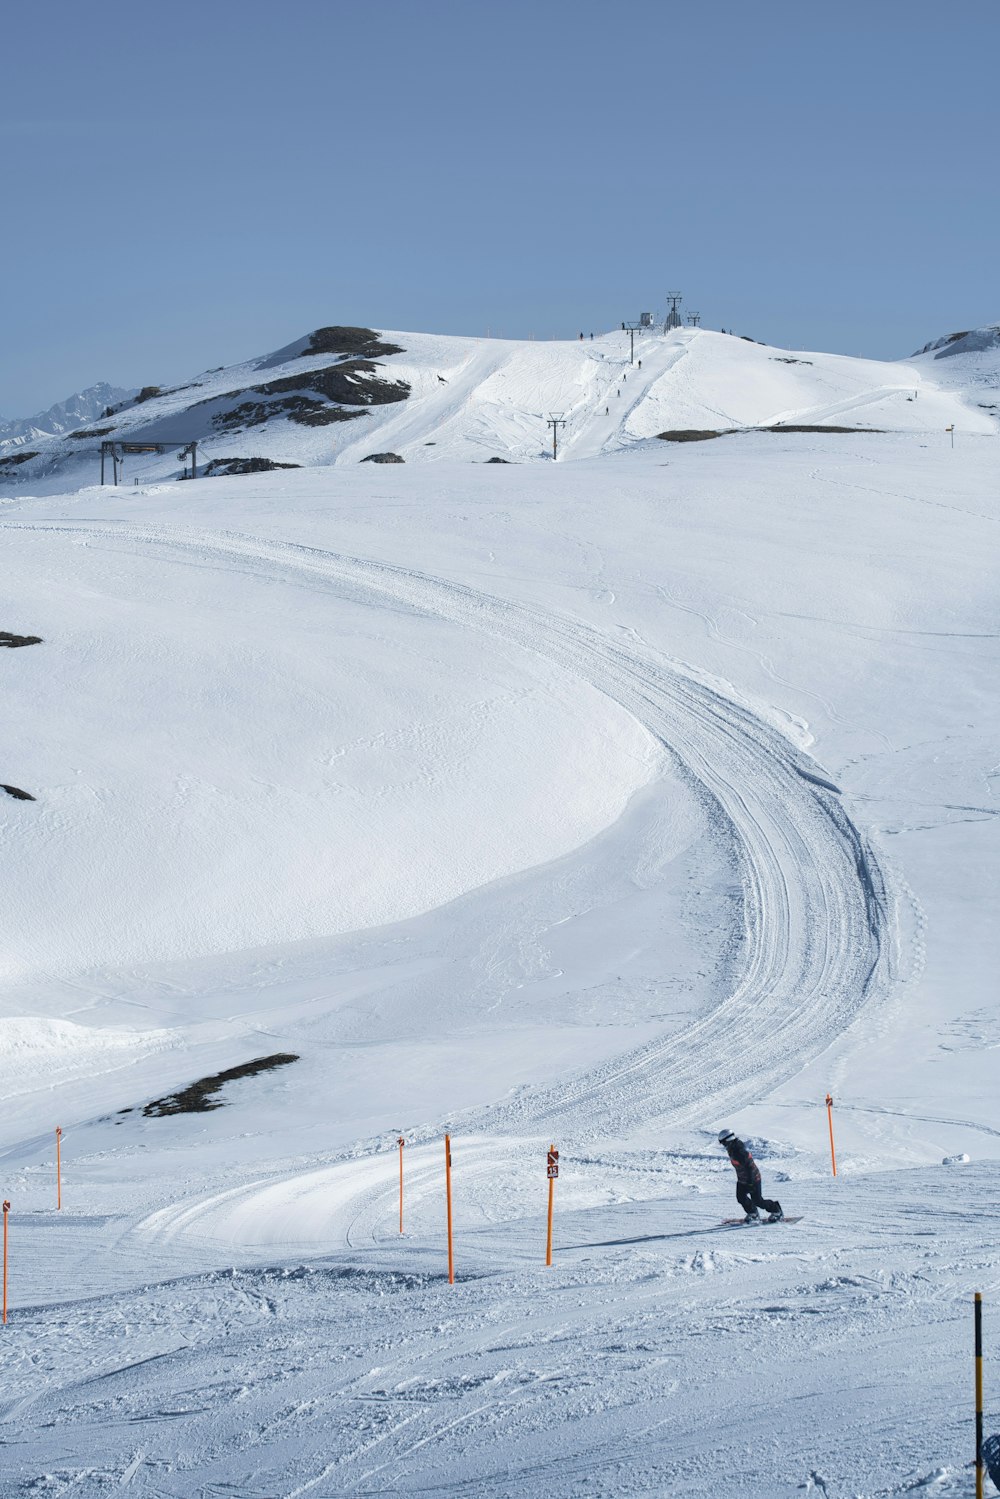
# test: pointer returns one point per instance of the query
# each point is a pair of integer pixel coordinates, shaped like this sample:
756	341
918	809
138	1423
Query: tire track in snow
815	925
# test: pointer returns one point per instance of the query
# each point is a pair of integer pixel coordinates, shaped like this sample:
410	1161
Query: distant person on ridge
748	1180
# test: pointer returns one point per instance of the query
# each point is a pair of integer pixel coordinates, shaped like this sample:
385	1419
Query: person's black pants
750	1200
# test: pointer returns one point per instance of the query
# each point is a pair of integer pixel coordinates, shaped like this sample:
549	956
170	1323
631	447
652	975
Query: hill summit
344	394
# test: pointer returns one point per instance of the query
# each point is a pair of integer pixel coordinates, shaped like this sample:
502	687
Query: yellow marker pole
829	1117
979	1394
58	1168
551	1169
6	1210
400	1142
447	1177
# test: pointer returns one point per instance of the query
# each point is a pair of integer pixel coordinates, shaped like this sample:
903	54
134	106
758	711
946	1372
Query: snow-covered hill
344	395
602	803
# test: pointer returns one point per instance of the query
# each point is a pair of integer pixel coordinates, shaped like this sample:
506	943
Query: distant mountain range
85	406
347	395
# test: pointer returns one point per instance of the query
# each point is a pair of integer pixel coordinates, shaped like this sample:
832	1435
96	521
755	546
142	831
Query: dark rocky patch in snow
695	434
6	638
310	415
786	359
313	398
383	458
15	458
498	460
92	432
256	413
363	343
199	1097
354	382
17	793
221	467
793	427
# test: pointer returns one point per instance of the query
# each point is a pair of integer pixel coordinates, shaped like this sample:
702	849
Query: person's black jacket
747	1172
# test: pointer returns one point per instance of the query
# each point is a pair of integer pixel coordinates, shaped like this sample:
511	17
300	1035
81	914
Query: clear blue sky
187	184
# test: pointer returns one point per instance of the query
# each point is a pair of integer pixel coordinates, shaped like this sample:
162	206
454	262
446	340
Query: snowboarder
748	1193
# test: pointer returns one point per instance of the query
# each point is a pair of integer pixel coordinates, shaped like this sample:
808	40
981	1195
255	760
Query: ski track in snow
816	943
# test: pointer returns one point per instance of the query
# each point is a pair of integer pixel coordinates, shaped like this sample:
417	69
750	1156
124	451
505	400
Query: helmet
725	1135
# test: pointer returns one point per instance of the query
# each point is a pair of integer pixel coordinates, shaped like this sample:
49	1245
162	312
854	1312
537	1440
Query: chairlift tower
555	421
674	319
694	319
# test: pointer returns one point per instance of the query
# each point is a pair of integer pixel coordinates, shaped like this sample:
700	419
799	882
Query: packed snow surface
599	804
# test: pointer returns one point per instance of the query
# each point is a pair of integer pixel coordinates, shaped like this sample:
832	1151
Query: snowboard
762	1223
991	1457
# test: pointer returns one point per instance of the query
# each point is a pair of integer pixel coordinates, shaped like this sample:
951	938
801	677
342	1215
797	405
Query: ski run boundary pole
400	1142
551	1171
6	1214
447	1179
829	1120
979	1393
58	1168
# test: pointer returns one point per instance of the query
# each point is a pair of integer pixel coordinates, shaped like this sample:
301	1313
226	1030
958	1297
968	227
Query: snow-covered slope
601	803
341	395
968	364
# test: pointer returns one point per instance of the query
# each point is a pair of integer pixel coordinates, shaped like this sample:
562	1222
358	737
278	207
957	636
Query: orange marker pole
58	1168
400	1142
551	1171
6	1210
447	1178
829	1118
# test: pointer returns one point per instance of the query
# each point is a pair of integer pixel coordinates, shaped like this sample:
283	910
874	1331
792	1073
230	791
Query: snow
475	398
86	406
602	803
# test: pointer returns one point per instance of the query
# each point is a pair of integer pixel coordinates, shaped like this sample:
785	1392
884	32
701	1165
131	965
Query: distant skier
607	411
748	1180
640	364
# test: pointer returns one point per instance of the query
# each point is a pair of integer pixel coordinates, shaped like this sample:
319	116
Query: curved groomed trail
815	944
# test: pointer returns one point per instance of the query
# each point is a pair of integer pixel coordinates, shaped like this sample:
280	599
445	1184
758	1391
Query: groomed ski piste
600	803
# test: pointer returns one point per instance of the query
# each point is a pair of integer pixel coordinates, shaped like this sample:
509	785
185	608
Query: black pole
979	1396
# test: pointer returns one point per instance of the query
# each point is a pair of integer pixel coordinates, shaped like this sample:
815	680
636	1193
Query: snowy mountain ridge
85	406
347	395
971	341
